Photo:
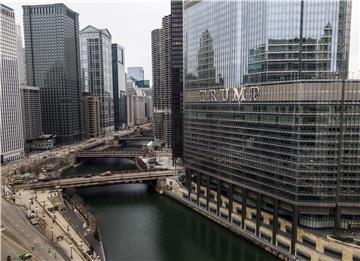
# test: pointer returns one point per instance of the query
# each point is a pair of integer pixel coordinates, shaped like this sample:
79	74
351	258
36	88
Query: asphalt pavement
20	235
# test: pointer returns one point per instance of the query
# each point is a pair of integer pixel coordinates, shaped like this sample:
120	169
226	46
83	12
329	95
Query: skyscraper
158	128
12	141
161	62
30	99
177	78
96	66
53	64
92	109
167	65
31	112
138	104
21	56
269	128
119	85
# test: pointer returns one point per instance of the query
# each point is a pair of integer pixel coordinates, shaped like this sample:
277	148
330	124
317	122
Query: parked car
30	214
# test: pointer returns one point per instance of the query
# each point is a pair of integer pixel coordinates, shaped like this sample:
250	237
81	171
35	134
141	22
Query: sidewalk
55	226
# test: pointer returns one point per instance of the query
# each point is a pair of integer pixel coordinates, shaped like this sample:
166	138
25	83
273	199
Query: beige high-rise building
92	115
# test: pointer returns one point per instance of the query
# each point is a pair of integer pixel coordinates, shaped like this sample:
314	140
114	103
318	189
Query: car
30	214
59	238
106	173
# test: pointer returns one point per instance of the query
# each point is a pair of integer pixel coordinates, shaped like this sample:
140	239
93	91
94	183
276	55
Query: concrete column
258	214
218	196
337	220
189	184
198	182
294	229
207	192
230	197
275	221
243	210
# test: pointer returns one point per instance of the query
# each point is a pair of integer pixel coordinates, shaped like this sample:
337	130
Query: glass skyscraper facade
96	67
177	85
268	121
119	85
258	41
53	64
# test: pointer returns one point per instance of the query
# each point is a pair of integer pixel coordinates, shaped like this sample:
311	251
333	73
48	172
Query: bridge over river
113	153
98	180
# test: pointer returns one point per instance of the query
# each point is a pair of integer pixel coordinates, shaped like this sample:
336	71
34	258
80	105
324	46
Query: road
20	234
99	180
77	222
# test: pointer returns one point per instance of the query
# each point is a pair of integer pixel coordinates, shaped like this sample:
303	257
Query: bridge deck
100	180
112	154
136	138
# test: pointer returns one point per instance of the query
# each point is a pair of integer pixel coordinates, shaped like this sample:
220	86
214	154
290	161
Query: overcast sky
130	23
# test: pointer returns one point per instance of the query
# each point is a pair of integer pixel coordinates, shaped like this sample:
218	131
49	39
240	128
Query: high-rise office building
259	142
161	62
53	65
96	66
138	104
135	73
92	112
31	112
21	56
167	63
30	100
177	78
11	132
119	85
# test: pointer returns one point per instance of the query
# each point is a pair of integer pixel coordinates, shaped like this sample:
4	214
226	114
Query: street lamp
52	233
71	255
44	220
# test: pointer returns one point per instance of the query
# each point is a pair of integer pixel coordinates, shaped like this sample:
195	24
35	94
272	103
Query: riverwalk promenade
48	210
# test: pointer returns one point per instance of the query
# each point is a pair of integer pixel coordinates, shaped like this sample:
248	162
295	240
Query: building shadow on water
138	224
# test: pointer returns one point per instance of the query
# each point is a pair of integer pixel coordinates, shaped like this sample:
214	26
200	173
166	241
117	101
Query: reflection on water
138	224
95	166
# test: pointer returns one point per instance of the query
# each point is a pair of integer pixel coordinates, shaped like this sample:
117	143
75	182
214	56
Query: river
136	223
